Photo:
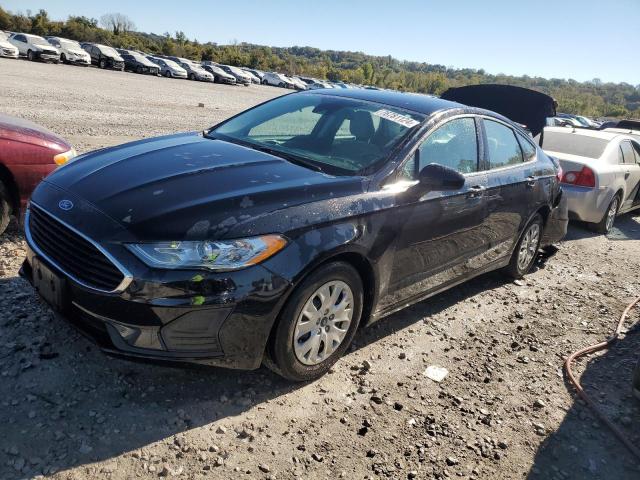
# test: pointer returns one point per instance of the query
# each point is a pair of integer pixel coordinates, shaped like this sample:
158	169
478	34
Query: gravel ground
503	412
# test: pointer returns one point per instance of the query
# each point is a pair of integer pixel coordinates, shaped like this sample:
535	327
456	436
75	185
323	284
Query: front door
440	234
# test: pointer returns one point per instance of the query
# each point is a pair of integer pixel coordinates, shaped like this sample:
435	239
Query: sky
579	39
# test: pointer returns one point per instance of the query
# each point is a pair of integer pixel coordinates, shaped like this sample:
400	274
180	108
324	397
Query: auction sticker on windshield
403	120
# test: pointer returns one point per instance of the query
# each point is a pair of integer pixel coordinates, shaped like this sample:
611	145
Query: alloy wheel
528	246
323	322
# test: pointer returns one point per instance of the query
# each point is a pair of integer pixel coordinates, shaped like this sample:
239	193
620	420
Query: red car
28	153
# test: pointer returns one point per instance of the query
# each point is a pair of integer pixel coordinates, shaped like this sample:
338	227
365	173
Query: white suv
70	51
34	47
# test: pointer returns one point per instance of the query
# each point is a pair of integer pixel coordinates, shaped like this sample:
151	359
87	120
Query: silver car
6	49
169	68
600	173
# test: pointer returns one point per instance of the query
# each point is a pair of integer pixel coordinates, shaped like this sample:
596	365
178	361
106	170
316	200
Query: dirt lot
503	412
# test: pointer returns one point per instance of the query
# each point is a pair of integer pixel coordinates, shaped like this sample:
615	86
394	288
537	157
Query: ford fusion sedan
34	47
169	68
104	56
601	173
6	48
70	51
29	153
273	236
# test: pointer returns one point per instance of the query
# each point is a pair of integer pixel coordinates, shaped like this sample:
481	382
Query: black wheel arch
7	179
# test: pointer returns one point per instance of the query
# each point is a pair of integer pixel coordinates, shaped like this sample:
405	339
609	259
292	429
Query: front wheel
63	58
167	74
317	324
102	63
526	250
30	55
606	224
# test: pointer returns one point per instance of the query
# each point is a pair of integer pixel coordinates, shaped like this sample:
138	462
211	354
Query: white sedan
277	80
6	49
35	47
600	173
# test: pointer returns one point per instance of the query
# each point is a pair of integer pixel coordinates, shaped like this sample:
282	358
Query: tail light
584	178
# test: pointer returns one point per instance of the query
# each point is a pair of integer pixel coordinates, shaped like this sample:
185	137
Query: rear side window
574	144
502	145
454	145
528	150
628	157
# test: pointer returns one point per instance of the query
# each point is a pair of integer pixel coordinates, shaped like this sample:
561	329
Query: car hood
78	51
6	44
521	105
21	130
186	186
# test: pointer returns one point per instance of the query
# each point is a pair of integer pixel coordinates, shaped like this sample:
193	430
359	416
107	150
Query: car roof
585	132
416	102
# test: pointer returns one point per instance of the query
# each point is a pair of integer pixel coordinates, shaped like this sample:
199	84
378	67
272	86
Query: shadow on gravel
626	227
583	447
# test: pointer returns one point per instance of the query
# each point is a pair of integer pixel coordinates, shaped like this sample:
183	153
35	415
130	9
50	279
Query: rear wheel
317	324
606	224
526	250
5	208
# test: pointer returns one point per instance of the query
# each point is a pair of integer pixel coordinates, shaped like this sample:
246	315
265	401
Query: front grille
72	253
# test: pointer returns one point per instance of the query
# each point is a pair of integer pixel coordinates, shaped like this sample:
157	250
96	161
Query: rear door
513	183
631	173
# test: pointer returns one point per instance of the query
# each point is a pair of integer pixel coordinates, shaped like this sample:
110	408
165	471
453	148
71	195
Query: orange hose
591	349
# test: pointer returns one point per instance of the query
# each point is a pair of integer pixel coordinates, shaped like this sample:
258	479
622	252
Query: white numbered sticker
398	118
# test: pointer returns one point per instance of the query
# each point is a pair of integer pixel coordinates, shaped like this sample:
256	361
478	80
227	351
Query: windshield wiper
297	159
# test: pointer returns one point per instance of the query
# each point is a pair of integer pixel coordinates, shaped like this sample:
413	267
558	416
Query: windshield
574	144
38	41
69	43
333	134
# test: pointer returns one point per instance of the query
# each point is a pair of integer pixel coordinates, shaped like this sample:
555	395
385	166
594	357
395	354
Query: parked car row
57	49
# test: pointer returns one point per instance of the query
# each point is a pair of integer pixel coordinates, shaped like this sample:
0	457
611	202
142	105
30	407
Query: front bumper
587	204
193	316
79	61
9	53
556	225
47	57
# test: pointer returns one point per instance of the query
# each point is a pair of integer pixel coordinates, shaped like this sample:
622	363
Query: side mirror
438	177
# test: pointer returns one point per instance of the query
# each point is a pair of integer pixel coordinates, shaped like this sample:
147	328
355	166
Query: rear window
573	144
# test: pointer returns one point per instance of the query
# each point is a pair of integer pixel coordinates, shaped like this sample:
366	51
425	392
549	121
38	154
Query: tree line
593	98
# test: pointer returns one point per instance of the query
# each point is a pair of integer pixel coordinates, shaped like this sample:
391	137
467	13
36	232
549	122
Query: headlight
64	157
218	255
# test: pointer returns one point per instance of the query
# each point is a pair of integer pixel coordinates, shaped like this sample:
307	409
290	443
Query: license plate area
51	287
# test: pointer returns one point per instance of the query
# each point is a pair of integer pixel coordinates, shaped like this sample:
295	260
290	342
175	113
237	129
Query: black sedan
272	236
135	62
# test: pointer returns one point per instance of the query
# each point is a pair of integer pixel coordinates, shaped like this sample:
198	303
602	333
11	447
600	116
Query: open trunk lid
526	107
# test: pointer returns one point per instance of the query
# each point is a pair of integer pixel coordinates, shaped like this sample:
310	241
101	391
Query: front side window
454	145
502	146
339	135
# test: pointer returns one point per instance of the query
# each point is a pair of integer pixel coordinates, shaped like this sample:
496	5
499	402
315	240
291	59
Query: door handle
476	191
531	181
626	174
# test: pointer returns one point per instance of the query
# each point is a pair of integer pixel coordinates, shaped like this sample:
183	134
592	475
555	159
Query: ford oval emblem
65	205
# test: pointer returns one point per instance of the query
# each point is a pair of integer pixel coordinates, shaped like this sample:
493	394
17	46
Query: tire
139	69
605	225
526	251
30	56
281	85
102	63
192	76
287	360
5	208
264	82
168	74
63	58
